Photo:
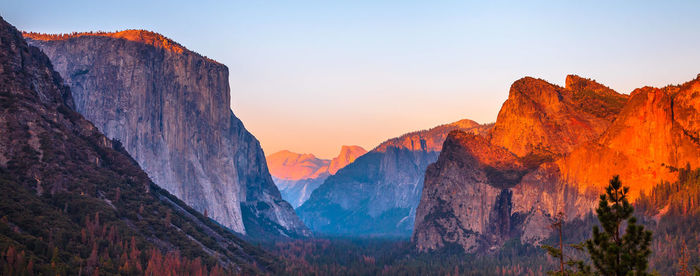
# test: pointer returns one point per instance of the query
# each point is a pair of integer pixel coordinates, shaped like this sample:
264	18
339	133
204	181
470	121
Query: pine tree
611	253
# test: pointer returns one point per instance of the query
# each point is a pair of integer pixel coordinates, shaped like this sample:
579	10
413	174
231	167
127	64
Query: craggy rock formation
562	145
57	171
170	108
465	214
479	195
378	193
544	119
297	175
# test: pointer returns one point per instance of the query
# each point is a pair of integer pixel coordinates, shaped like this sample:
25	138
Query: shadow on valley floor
395	256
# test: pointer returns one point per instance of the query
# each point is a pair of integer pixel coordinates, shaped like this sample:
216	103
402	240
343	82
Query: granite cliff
170	108
297	175
655	133
544	119
67	190
378	193
552	150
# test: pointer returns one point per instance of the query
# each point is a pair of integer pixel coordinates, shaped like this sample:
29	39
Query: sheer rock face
52	160
642	141
655	132
378	193
297	175
170	108
462	202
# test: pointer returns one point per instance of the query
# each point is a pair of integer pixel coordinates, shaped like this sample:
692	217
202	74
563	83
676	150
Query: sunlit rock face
656	132
297	175
347	155
570	141
545	119
170	108
378	193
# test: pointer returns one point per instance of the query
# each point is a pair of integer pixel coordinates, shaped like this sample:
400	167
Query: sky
310	76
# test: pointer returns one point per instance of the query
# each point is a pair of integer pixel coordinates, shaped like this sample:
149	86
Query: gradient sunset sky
310	76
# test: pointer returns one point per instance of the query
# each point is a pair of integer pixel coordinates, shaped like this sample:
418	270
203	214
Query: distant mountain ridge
297	175
170	108
378	193
552	150
141	36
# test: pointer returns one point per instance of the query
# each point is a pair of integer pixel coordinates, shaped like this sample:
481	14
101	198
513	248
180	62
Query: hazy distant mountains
378	193
297	175
552	150
170	108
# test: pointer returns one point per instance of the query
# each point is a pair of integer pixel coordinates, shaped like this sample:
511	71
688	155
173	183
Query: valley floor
393	256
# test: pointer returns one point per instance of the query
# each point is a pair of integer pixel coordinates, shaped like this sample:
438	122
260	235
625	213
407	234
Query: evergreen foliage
672	211
611	253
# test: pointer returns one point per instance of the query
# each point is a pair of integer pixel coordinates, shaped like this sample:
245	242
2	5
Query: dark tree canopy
611	252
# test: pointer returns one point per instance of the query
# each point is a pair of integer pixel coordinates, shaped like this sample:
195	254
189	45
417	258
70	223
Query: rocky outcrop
469	199
547	120
297	175
170	108
569	143
378	193
57	171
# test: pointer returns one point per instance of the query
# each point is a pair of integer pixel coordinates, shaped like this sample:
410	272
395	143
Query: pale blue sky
309	76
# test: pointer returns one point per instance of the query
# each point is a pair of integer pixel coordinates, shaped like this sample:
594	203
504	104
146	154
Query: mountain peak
529	85
344	148
543	118
289	165
465	123
577	83
347	155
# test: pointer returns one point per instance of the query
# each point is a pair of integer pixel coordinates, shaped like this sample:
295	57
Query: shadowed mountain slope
378	193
